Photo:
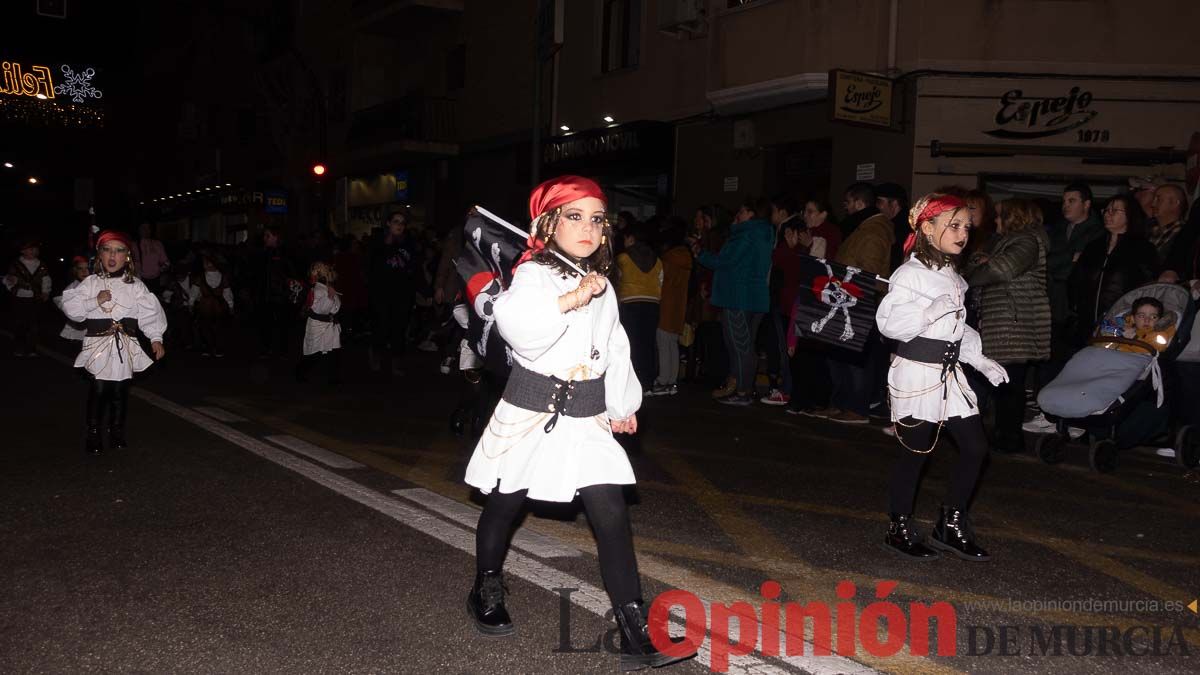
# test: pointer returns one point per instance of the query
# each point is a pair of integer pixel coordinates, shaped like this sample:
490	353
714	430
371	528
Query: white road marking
588	597
219	414
330	459
531	542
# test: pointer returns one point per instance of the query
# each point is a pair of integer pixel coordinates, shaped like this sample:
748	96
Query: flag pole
524	235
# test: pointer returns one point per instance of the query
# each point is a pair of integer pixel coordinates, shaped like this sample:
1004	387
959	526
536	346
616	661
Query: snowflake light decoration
78	85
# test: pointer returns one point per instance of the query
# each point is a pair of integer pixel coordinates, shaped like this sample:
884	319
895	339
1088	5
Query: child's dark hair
1147	300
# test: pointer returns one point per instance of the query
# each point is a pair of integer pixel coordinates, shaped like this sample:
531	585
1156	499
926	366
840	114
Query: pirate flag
489	253
836	304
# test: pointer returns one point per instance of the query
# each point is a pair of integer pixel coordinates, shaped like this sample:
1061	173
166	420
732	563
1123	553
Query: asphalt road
259	525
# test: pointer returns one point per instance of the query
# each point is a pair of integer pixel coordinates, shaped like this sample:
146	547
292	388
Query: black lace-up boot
954	534
902	538
486	603
637	651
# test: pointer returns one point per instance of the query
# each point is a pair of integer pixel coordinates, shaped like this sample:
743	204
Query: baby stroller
1119	396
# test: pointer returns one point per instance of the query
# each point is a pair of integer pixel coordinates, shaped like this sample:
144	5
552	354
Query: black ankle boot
91	442
637	651
486	604
954	534
903	539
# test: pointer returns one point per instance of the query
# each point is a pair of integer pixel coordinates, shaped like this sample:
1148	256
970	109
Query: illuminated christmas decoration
78	85
36	84
50	113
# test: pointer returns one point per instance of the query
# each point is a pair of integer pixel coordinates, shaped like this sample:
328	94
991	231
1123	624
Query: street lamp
318	169
8	165
33	180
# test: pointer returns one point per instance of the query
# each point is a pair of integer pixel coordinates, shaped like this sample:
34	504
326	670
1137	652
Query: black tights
918	435
608	516
109	395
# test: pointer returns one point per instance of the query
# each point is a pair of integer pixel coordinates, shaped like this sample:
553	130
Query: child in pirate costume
322	329
29	282
923	311
73	331
115	307
572	387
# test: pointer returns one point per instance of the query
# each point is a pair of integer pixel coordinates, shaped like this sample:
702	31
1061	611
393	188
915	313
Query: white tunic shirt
581	344
915	389
115	357
68	331
322	336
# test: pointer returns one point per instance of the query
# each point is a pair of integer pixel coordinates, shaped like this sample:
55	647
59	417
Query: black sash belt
327	318
936	352
545	393
113	327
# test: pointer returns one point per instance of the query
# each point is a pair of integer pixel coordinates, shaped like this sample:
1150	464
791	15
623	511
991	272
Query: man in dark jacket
393	287
892	201
275	282
1080	226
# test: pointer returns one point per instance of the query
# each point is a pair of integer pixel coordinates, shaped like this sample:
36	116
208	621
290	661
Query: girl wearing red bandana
923	311
114	306
572	387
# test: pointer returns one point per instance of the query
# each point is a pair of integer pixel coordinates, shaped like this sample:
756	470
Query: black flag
489	254
836	304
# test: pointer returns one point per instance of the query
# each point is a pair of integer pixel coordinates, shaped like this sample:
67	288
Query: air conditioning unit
682	18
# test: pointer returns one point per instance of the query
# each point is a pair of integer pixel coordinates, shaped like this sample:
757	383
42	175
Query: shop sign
859	98
864	171
731	184
276	203
401	192
648	145
1028	117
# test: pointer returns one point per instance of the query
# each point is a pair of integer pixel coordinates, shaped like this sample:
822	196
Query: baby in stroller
1147	322
1114	387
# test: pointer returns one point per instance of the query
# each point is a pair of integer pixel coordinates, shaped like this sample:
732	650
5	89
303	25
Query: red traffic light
318	169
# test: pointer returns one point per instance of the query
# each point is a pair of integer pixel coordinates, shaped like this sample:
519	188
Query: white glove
940	307
994	372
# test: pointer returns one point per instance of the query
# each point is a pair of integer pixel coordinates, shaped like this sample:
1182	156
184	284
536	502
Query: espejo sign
859	98
1021	116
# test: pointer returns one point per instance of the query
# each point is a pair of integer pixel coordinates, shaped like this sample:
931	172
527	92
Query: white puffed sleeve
901	314
152	321
227	295
322	304
971	350
76	302
622	390
527	313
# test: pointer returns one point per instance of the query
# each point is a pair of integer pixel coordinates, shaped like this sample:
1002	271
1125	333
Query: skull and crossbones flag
835	304
489	254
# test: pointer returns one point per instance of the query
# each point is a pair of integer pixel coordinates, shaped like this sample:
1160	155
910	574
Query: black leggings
608	516
107	395
906	474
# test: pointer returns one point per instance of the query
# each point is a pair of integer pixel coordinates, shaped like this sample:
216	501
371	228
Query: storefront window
621	40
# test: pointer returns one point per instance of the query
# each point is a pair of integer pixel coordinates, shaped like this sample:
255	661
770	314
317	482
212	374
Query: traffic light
318	169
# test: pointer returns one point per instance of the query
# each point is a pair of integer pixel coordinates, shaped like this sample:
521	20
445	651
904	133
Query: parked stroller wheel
1050	448
1103	456
1187	447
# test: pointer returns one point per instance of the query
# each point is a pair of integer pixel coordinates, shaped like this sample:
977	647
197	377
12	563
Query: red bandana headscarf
927	209
114	235
551	195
